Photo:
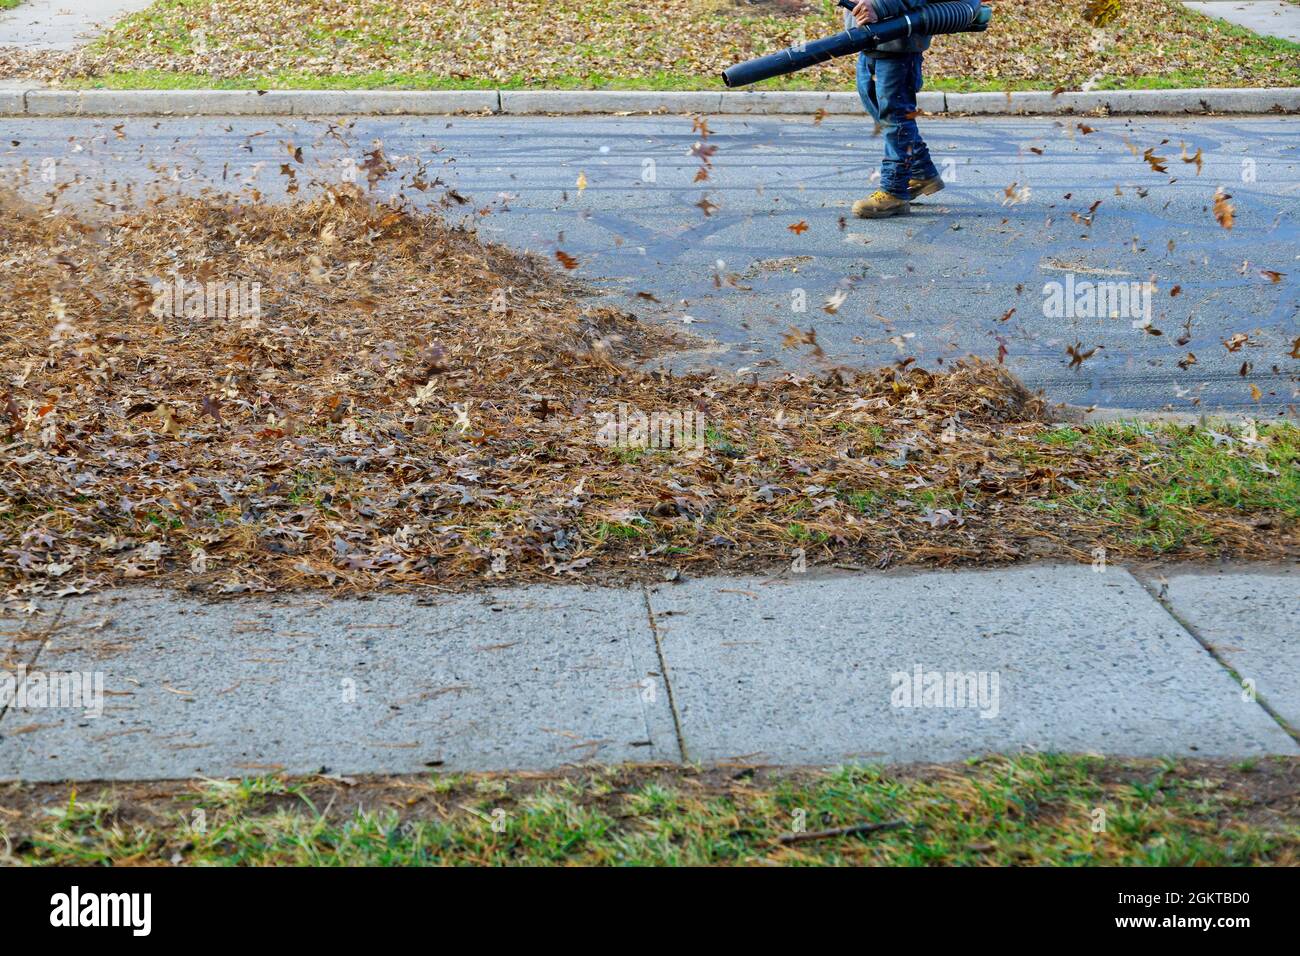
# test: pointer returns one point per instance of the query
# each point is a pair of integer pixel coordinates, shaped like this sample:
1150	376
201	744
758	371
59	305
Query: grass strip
606	44
1035	810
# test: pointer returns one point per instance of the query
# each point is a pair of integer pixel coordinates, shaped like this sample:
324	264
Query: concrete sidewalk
1274	18
800	669
61	24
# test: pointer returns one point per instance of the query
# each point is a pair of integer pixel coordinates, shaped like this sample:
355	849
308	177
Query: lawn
1026	810
663	44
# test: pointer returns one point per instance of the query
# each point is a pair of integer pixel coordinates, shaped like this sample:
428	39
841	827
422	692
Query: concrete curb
1078	415
1203	100
1099	415
49	102
44	102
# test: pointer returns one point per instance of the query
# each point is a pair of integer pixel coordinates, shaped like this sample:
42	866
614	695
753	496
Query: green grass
935	498
1030	810
611	529
804	535
1170	487
1180	472
9	4
864	501
719	440
659	82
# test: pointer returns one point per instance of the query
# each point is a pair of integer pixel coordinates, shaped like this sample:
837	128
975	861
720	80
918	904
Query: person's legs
888	88
897	81
866	86
882	202
922	165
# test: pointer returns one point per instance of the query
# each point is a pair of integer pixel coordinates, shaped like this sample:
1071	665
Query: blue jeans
888	87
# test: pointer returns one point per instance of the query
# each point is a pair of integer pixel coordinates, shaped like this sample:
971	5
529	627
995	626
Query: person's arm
873	11
863	13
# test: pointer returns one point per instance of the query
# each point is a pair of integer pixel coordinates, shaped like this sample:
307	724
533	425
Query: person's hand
865	12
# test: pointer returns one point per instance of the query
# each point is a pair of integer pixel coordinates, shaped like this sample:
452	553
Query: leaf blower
949	16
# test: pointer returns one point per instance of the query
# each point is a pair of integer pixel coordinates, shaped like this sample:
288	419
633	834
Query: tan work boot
925	187
879	205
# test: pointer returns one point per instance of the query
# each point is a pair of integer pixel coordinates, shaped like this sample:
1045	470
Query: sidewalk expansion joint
1158	595
663	669
40	646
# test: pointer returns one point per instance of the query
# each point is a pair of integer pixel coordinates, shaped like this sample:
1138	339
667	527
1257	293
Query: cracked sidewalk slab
1250	618
796	670
802	670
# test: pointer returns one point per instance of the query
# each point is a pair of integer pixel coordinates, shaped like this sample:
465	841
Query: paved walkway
1275	18
61	24
803	669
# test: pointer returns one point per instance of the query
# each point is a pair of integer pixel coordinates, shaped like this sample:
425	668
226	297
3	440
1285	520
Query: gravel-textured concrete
1275	18
385	102
795	670
800	670
537	678
21	639
1252	620
52	103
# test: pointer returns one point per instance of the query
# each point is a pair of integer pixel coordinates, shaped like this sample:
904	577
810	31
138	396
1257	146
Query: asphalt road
1032	201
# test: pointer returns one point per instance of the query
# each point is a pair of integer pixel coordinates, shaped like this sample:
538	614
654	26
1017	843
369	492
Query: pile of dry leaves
387	400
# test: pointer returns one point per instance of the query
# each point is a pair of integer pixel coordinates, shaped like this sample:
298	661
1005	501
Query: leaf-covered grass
662	44
1023	810
1177	474
349	436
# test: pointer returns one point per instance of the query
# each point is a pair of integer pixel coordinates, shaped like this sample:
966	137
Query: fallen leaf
1224	212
